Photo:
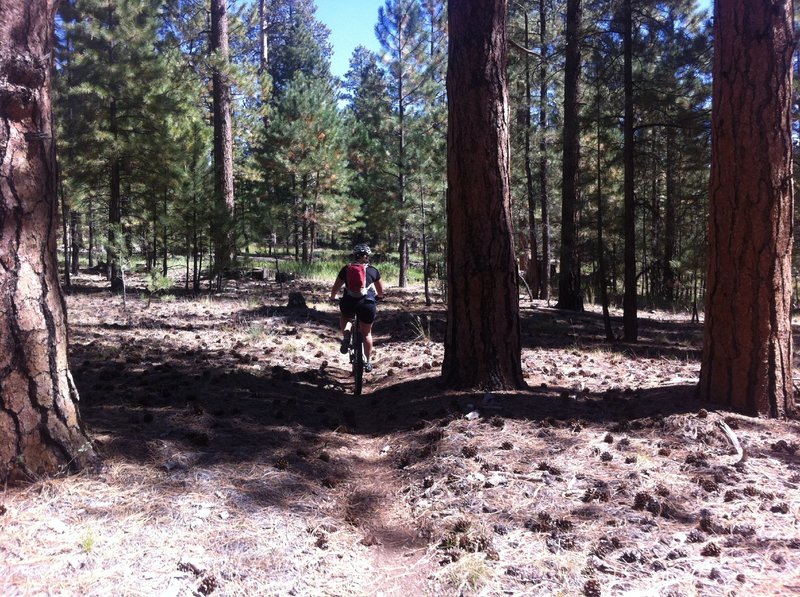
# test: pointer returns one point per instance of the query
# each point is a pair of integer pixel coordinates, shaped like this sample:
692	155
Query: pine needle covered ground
238	463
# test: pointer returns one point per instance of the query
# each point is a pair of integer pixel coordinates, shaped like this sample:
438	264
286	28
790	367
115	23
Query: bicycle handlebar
378	297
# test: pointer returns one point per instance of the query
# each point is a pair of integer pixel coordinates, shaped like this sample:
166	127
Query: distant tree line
610	138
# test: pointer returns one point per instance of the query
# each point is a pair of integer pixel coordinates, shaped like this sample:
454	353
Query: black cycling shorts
364	307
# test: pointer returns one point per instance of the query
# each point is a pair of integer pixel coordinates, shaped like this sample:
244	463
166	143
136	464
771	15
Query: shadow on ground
178	407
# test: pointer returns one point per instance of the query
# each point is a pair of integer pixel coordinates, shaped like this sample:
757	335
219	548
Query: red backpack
356	280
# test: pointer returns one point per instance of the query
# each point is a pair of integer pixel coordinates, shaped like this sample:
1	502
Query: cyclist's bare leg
366	334
344	325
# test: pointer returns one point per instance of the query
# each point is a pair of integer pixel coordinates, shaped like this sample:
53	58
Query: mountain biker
358	300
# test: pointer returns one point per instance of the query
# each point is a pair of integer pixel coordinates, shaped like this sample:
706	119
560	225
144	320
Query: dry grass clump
468	574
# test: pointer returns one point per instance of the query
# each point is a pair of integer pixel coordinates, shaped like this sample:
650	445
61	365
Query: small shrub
158	285
87	542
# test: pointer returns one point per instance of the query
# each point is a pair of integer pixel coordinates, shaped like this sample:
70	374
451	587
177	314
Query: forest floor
237	462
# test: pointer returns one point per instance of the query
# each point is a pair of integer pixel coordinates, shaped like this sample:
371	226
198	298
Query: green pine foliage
321	163
298	42
411	34
308	166
368	114
122	103
299	175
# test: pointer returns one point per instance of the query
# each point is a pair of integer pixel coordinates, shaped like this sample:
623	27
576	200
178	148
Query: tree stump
296	301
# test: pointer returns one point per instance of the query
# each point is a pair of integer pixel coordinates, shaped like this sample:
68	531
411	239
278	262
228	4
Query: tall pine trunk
569	281
544	199
402	247
40	428
90	248
164	236
669	277
533	264
75	240
602	272
483	345
747	345
223	141
115	241
630	323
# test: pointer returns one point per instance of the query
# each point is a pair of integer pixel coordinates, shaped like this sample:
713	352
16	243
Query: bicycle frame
356	352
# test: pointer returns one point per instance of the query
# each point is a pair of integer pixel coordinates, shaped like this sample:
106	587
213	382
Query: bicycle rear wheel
358	362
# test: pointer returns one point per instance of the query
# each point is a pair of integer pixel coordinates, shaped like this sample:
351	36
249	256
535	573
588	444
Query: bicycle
355	350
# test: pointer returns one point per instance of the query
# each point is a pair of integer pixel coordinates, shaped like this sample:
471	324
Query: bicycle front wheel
358	362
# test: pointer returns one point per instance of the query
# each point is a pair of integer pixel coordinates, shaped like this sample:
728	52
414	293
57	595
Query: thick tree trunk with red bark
224	249
40	429
747	349
483	347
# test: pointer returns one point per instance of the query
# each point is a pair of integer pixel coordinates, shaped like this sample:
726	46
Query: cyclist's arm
336	287
379	288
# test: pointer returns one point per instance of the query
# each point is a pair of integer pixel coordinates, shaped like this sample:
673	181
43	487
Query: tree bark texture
747	347
75	240
630	319
670	224
223	138
533	264
543	162
40	428
569	280
483	346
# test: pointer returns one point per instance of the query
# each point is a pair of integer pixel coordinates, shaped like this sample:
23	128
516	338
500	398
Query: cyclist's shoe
345	345
368	367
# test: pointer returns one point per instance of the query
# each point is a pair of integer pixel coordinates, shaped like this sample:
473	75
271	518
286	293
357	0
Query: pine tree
569	284
747	346
535	67
224	245
369	110
299	59
430	183
672	107
309	154
667	147
109	89
297	42
404	41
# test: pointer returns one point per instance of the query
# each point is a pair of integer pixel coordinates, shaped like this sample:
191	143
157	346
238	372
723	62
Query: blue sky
352	23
